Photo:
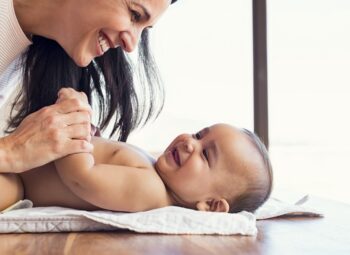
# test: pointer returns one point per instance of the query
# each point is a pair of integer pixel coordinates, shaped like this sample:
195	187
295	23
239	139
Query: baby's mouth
176	156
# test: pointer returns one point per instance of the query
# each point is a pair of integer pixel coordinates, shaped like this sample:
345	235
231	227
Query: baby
221	168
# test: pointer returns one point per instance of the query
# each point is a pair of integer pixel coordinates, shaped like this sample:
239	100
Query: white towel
168	220
275	208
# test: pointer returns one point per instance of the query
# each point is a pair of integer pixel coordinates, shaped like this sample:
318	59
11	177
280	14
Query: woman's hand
48	134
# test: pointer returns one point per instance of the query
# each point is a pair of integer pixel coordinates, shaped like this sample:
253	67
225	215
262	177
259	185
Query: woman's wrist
6	160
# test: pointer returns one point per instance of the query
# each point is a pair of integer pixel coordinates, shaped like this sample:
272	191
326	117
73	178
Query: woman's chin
82	60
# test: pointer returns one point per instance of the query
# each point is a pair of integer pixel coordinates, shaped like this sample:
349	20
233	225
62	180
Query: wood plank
293	235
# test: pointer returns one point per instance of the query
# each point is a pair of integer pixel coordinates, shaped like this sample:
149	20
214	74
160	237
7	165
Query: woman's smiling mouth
104	43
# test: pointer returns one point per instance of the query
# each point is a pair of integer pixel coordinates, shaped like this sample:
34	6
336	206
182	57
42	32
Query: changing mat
167	220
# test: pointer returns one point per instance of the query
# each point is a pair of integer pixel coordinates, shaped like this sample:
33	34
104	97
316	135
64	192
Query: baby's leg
11	190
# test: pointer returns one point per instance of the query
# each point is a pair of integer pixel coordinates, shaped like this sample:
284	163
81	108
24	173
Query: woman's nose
130	39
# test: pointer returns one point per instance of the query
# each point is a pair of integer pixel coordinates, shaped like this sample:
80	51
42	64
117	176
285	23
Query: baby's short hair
257	191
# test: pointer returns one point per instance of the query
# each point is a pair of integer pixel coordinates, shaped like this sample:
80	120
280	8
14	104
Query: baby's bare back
43	185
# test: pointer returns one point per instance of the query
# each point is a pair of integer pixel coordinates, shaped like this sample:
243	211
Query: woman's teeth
103	43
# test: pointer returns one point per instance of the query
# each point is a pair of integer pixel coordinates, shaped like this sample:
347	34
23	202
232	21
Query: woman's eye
135	16
198	135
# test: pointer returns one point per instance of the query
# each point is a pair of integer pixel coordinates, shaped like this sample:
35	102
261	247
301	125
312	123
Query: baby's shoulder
120	153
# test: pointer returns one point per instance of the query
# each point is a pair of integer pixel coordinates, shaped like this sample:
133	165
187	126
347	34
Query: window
308	62
204	52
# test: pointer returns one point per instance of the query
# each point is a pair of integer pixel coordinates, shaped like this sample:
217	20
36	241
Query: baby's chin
156	165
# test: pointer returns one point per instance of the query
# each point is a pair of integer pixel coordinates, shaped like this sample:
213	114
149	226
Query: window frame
260	71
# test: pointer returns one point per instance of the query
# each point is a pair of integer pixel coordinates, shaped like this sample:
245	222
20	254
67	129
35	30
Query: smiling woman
77	26
102	26
81	44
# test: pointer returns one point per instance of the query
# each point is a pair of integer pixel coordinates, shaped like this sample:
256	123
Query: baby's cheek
197	167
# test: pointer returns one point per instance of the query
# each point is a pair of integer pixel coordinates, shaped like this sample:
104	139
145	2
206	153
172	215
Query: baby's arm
112	187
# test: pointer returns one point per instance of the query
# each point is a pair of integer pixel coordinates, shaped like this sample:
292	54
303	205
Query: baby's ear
213	205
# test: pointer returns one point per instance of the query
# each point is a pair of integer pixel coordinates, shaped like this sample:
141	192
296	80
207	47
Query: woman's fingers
50	133
78	131
72	105
66	93
70	100
68	119
34	144
77	146
51	119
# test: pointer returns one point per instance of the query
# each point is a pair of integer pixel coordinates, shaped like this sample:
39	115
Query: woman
79	44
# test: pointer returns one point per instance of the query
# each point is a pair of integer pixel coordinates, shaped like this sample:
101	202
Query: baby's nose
188	146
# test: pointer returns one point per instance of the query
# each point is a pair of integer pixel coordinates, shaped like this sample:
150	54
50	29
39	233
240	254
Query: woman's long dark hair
48	68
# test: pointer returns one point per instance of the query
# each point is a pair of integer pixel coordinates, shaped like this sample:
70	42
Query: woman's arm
112	187
50	133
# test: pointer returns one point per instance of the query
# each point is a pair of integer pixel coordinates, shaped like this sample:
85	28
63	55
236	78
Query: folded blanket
275	208
20	218
169	220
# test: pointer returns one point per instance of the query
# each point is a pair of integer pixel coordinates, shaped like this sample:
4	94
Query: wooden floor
329	235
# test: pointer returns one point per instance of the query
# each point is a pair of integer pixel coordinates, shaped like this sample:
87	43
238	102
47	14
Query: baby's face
207	164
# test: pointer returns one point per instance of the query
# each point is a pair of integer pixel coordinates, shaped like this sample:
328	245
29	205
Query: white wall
204	51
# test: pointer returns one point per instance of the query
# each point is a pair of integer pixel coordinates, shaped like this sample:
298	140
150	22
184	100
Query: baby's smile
176	156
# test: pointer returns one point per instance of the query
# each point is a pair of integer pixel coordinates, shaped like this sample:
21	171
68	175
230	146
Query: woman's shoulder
13	45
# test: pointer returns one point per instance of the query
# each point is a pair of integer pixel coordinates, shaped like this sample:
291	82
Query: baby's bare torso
44	187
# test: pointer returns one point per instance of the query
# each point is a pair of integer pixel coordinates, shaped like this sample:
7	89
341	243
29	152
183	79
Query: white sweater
12	43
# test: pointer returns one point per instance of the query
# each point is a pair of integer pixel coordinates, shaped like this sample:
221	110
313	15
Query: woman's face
91	27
